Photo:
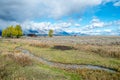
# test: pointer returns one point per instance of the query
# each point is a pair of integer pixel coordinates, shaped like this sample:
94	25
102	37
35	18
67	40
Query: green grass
12	68
88	74
74	56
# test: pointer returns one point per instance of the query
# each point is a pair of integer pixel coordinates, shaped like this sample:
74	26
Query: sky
93	17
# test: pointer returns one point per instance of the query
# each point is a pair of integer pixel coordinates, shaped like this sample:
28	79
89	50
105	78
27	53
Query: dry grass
10	70
104	50
2	72
41	45
105	46
16	66
21	59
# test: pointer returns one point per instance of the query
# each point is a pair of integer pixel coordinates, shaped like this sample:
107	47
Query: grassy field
17	66
94	50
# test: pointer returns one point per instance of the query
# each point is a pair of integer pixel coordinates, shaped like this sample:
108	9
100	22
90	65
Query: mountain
77	34
61	33
44	32
57	32
0	32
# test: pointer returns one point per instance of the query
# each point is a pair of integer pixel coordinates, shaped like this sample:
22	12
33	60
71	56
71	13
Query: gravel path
64	66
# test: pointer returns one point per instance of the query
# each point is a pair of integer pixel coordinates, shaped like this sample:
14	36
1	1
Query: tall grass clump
21	59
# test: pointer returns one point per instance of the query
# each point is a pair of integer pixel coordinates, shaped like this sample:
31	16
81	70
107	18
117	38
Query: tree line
16	32
12	32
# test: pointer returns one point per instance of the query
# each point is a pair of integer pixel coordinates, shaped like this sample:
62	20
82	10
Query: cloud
117	22
107	30
31	25
4	24
95	26
117	3
21	10
98	27
95	23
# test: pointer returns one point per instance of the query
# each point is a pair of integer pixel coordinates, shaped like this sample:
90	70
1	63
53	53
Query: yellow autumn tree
50	34
12	32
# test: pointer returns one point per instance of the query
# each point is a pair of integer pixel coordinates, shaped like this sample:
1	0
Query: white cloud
30	25
108	30
117	22
77	25
4	24
20	10
97	27
95	23
117	3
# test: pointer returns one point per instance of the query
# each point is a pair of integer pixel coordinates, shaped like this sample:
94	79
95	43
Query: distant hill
44	32
57	32
61	33
0	32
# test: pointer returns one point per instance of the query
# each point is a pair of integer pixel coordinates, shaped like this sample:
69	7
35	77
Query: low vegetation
88	74
101	51
14	65
21	59
40	45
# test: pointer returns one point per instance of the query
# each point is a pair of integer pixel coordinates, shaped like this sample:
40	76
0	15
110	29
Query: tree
8	32
18	30
50	34
12	31
4	33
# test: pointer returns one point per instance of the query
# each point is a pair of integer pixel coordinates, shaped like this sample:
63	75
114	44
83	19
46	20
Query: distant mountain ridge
0	32
44	32
57	32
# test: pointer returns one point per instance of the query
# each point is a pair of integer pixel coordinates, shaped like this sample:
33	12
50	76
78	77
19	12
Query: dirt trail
64	66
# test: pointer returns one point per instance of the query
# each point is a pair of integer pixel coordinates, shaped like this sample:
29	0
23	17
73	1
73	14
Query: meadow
101	51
